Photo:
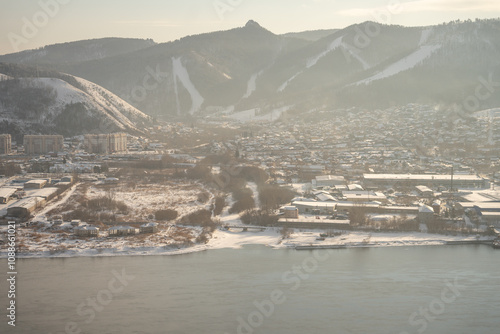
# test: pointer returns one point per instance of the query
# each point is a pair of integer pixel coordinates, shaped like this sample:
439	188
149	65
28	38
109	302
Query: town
400	176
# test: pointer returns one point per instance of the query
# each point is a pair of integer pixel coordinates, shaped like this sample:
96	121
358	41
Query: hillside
74	52
63	104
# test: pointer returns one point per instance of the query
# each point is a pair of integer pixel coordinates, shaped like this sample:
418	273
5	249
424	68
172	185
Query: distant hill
74	52
311	35
251	69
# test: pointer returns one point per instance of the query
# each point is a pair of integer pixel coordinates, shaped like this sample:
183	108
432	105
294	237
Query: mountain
310	35
75	52
250	69
52	102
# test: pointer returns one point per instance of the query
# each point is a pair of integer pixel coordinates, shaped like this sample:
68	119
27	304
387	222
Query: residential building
106	143
5	144
149	228
39	144
86	231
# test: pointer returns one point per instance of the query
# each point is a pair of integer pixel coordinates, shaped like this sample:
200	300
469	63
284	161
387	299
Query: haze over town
337	135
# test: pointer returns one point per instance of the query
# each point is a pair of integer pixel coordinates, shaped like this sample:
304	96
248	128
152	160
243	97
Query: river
441	289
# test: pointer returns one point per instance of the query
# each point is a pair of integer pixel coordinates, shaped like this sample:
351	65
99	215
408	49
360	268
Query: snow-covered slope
403	64
111	104
96	108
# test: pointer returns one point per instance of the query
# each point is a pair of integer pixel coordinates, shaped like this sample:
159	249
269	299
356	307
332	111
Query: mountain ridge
366	64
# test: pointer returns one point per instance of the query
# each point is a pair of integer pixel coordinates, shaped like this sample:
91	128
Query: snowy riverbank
236	238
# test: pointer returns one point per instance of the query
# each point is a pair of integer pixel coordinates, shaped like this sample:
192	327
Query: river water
442	289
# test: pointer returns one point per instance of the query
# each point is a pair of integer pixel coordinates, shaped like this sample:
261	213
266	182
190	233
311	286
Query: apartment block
39	144
106	143
5	144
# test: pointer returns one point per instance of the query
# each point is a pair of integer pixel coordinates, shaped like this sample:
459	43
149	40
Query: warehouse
25	206
429	180
35	184
329	180
6	194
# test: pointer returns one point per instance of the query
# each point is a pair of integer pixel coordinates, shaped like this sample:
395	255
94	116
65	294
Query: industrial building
5	143
6	194
329	180
25	206
429	180
35	144
315	207
35	184
106	143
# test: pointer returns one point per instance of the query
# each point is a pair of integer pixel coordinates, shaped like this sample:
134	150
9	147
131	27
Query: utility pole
451	186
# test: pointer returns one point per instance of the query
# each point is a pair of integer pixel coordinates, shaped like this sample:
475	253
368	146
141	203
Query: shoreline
271	238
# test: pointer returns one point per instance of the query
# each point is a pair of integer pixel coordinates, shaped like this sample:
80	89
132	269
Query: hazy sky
28	24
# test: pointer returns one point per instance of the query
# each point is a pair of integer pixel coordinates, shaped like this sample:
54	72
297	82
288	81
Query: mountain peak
252	23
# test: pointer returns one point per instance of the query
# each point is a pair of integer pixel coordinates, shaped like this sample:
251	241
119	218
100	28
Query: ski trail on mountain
181	73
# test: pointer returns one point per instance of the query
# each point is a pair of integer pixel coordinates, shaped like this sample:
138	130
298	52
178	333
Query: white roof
425	209
7	192
329	177
354	186
26	202
426	177
303	199
88	228
120	227
44	192
481	205
151	224
325	197
423	188
37	181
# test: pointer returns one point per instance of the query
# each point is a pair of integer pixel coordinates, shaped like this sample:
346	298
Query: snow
106	98
94	97
332	46
4	77
181	73
251	85
488	195
58	241
236	239
352	52
403	64
250	115
233	239
424	36
358	239
310	62
111	103
255	193
285	84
